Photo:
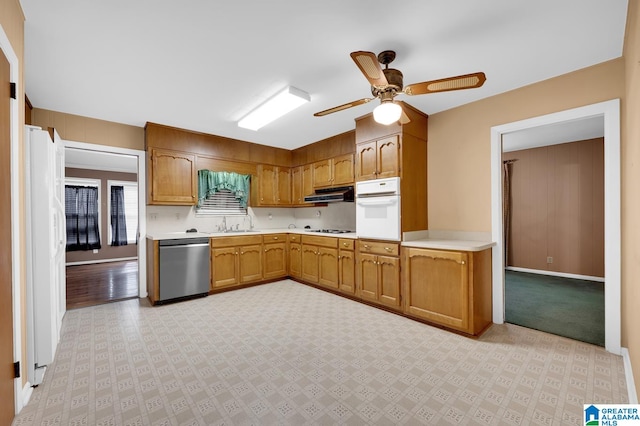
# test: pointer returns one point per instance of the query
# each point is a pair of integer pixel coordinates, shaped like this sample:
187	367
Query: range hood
331	195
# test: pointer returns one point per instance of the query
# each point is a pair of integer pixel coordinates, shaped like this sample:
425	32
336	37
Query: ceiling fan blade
342	107
370	67
467	81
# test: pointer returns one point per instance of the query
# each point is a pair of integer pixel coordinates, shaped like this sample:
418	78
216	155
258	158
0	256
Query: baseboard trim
89	262
628	375
27	391
555	274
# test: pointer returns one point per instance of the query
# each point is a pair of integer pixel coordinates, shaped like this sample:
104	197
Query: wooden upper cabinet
172	177
283	193
274	185
366	161
322	175
388	157
343	170
378	159
301	184
333	172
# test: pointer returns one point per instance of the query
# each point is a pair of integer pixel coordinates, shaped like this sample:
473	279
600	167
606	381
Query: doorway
610	113
554	229
121	274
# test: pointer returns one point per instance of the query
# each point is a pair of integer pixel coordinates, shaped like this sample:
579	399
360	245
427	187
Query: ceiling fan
387	83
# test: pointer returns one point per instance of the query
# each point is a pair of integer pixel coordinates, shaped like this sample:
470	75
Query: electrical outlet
95	250
549	259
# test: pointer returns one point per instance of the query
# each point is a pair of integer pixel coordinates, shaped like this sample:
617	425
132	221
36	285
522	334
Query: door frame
142	201
17	222
610	111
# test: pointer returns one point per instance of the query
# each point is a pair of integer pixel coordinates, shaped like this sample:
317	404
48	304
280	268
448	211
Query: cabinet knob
345	244
387	248
463	262
366	246
275	238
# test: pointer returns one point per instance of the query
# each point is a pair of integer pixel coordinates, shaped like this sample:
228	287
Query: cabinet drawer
274	238
294	238
320	241
236	241
346	244
376	247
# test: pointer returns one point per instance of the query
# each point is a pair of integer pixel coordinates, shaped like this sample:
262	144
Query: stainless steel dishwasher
184	268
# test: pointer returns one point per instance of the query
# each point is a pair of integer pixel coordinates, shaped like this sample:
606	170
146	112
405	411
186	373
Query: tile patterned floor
285	353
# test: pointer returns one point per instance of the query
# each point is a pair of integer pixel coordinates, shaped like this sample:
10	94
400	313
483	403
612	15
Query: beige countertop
445	244
179	235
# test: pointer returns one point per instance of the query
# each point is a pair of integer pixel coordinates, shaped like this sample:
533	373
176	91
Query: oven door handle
377	202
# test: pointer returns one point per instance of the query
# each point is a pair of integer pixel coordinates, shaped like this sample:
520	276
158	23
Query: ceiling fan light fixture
275	107
387	112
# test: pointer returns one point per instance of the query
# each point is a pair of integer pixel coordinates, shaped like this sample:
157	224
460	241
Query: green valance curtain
210	182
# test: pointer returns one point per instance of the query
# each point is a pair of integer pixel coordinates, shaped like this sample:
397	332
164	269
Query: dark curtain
118	220
81	208
506	207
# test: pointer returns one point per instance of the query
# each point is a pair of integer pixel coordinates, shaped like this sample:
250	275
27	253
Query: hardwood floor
94	284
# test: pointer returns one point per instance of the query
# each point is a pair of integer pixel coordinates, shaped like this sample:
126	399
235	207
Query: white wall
161	219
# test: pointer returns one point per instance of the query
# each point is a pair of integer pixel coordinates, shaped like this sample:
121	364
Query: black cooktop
330	231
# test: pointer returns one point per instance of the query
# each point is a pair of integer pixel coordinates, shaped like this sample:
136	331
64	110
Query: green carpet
562	306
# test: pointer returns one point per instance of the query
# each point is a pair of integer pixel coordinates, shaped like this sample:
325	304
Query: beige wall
630	198
12	22
107	251
557	208
459	170
90	130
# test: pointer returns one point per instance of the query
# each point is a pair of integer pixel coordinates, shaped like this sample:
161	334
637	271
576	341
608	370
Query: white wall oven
378	209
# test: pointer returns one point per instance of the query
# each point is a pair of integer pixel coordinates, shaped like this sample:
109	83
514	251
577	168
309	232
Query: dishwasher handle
185	245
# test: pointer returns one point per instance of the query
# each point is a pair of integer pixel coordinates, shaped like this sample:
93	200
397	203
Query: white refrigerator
45	244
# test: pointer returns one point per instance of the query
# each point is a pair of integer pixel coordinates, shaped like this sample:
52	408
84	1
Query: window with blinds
221	203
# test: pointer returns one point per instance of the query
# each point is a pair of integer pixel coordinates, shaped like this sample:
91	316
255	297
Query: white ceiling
202	65
98	160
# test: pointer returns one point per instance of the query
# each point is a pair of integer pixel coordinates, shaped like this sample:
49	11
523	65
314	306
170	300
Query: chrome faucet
223	225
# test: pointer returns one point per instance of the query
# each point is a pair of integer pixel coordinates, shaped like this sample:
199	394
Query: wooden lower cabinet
320	260
235	261
295	255
378	275
450	288
328	267
275	256
346	266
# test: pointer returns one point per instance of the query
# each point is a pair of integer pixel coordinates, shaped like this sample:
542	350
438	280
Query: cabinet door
328	267
297	197
173	178
267	176
322	175
310	263
346	271
436	286
343	170
307	181
389	277
295	260
275	260
283	196
366	162
368	276
224	267
388	157
250	263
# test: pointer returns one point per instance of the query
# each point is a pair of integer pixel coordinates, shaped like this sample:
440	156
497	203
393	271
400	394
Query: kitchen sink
238	231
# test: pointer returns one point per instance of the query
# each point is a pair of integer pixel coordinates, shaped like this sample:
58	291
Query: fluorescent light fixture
274	108
387	113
